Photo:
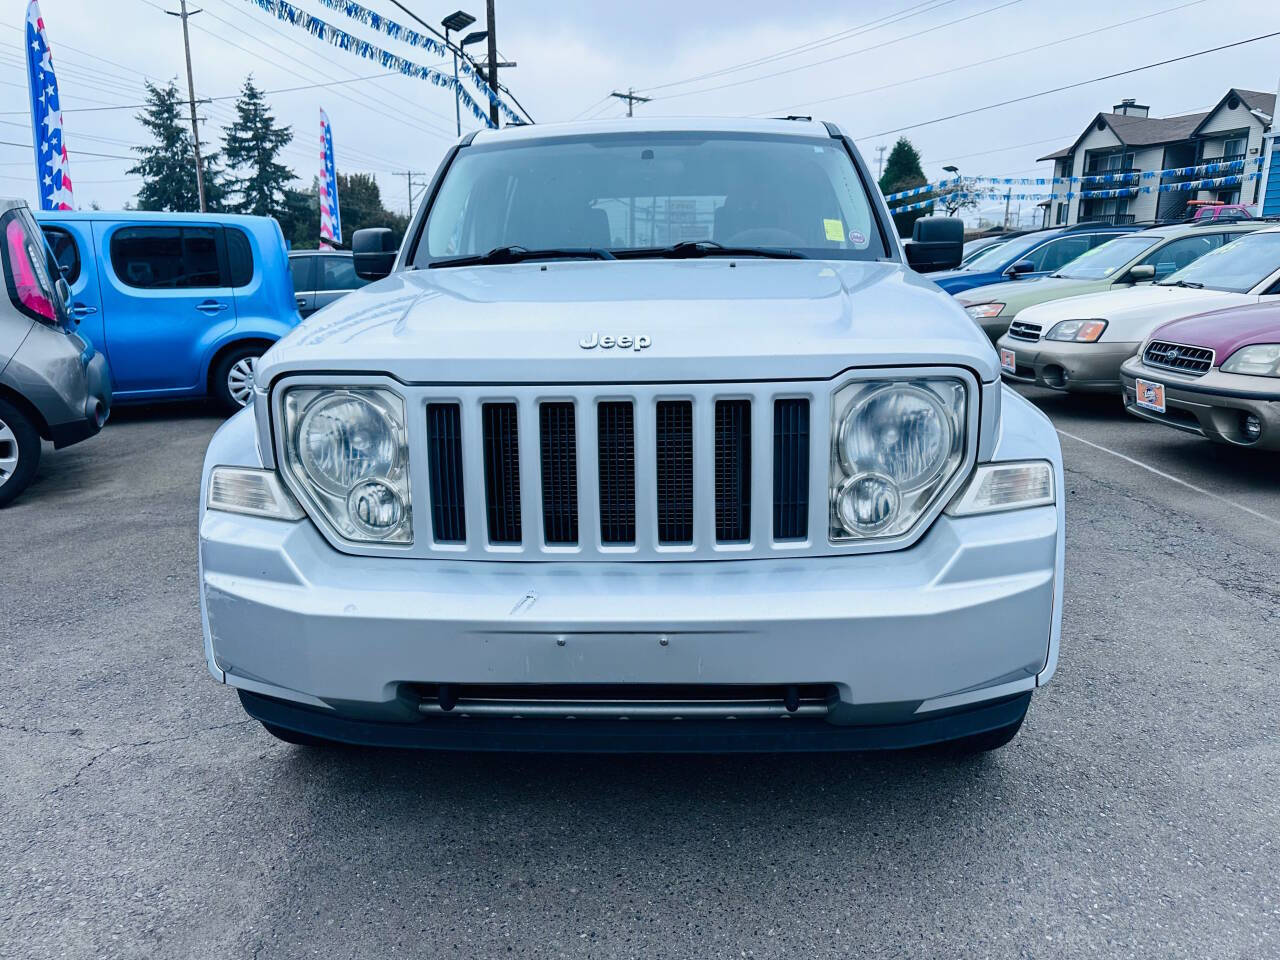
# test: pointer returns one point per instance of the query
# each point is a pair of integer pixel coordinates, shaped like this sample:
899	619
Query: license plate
1008	360
1150	395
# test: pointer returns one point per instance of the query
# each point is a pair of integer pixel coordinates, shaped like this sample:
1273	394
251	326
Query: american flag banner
53	179
330	219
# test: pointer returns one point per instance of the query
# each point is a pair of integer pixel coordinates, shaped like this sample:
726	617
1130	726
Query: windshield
975	248
1236	267
996	258
629	193
1102	261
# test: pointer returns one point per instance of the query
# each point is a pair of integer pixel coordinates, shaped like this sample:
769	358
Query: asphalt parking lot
1137	814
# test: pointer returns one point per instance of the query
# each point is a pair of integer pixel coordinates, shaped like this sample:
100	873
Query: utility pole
191	99
408	179
880	161
1007	197
493	60
631	97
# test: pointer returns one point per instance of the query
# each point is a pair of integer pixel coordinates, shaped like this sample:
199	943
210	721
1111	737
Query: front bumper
1212	406
1086	367
969	616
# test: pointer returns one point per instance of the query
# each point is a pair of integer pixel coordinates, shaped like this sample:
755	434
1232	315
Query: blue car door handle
79	310
211	306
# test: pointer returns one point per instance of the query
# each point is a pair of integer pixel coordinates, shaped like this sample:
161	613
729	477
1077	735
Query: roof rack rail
795	116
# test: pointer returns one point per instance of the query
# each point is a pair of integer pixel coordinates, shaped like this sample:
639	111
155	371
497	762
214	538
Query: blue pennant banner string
290	14
396	31
1209	184
1207	168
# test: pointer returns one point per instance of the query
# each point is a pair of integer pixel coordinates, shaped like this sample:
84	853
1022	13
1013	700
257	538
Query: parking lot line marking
1169	476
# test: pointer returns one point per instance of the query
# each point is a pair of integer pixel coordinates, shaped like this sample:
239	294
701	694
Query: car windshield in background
1236	267
634	195
996	258
1103	261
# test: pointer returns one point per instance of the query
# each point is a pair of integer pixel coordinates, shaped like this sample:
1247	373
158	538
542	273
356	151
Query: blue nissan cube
182	304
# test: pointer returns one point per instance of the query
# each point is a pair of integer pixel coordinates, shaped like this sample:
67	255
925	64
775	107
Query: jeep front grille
1024	331
643	471
1193	361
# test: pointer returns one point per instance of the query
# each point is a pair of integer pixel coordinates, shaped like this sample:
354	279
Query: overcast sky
572	53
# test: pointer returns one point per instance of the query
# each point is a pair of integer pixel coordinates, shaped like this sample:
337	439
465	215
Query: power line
867	27
1072	86
980	63
844	56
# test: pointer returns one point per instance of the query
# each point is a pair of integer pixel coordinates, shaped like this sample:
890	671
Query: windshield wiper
515	254
1189	284
690	249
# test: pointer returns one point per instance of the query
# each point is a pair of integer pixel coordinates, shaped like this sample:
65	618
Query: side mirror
1021	267
373	251
1141	273
937	243
64	291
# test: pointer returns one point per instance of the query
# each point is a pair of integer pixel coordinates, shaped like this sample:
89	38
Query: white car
1081	342
648	438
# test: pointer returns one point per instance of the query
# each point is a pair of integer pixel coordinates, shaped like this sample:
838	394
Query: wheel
19	451
294	737
984	742
232	379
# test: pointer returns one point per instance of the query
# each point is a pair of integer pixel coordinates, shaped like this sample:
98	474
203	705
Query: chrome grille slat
1193	361
1020	330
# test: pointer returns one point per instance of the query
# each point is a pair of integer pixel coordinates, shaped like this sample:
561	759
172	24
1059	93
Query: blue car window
65	252
239	256
166	257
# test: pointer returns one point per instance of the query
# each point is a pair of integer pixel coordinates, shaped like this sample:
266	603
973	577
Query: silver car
53	385
650	439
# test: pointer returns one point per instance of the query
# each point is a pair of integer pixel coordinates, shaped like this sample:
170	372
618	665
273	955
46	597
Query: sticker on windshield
857	238
835	230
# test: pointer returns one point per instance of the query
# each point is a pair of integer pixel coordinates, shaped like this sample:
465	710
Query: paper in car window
835	230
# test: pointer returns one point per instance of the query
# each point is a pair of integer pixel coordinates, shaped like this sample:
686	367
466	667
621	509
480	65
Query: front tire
232	378
19	451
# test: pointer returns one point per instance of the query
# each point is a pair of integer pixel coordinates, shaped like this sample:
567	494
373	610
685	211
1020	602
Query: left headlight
1078	331
984	311
896	444
1259	360
346	450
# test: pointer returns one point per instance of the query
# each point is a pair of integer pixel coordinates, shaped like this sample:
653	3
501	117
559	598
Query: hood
1225	331
686	321
1131	313
1026	292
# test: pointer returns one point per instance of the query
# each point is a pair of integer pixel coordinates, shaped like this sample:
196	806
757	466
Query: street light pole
458	20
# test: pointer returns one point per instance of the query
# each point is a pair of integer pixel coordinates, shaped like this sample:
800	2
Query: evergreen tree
360	204
902	171
251	146
299	217
167	167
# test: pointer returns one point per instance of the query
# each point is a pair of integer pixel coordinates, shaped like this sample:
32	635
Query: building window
1062	213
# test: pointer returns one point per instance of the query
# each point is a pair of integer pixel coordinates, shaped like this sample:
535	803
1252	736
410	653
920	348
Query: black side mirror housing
1021	267
373	251
1141	273
937	243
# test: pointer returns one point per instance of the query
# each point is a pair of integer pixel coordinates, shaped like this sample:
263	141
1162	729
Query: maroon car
1216	374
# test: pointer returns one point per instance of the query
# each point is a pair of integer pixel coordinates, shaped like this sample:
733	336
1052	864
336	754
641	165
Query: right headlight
346	450
896	444
1259	360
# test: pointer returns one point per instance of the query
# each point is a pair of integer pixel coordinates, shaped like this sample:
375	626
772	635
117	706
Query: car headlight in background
984	311
346	450
1259	360
1077	331
896	444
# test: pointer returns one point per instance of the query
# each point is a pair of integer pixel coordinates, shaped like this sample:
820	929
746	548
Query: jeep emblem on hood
593	340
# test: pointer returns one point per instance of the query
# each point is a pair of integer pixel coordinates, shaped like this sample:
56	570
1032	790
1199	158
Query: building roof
1135	131
1138	131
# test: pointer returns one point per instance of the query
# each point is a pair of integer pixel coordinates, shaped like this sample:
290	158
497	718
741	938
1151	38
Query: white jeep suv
650	439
